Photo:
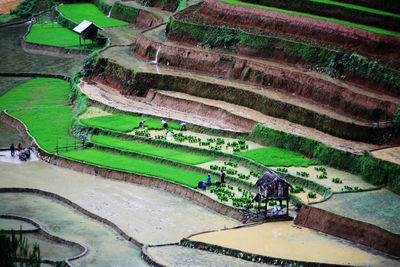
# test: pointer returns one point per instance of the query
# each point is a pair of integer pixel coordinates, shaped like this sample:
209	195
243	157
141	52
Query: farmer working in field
164	123
141	123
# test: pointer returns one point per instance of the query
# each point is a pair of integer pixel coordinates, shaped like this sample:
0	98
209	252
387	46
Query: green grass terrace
56	35
126	123
90	12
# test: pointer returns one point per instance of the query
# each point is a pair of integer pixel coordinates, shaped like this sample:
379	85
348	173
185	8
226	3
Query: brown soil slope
316	29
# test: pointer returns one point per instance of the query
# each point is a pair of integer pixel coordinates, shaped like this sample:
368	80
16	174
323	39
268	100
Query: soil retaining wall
321	30
119	77
140	17
294	82
146	180
350	229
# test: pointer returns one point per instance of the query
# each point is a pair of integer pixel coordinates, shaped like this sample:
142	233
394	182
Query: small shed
87	30
272	186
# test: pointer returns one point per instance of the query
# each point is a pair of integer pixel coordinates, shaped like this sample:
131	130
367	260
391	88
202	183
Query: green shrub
311	194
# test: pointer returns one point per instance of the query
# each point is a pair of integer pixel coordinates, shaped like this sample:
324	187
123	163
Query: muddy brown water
149	215
183	256
284	240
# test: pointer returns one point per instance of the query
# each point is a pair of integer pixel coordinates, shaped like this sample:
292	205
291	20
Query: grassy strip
123	12
137	166
125	123
373	170
368	28
57	35
4	18
87	11
36	92
49	126
362	8
274	156
166	153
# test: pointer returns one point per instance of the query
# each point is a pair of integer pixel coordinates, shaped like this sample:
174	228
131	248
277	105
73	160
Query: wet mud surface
15	59
284	240
14	224
389	154
183	256
149	215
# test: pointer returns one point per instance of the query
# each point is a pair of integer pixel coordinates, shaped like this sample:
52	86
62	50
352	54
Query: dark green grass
87	11
368	28
36	92
57	35
119	162
274	156
362	8
165	153
49	125
125	123
5	18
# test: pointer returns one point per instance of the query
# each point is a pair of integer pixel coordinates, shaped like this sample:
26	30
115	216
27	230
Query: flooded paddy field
14	224
60	220
285	240
8	136
381	208
149	215
183	256
15	59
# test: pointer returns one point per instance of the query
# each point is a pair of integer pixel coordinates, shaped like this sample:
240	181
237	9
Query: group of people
164	124
22	153
204	185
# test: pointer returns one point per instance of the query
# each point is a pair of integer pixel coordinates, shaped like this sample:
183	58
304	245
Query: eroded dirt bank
311	28
302	84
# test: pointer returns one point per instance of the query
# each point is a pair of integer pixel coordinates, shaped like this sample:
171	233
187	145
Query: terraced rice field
90	12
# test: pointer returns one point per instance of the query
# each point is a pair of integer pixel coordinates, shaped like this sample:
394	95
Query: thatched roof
268	183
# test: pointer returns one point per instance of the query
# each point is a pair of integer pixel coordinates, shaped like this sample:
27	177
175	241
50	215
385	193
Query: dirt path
158	35
125	57
389	154
7	5
123	35
108	96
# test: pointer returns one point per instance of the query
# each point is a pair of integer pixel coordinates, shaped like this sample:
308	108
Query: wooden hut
272	186
87	30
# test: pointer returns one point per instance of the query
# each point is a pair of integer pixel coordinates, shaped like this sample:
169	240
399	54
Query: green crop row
125	123
373	170
37	92
140	166
333	9
171	154
387	5
274	156
334	63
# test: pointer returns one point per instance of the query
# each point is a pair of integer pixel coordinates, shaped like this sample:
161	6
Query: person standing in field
222	177
208	179
164	123
141	123
12	149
